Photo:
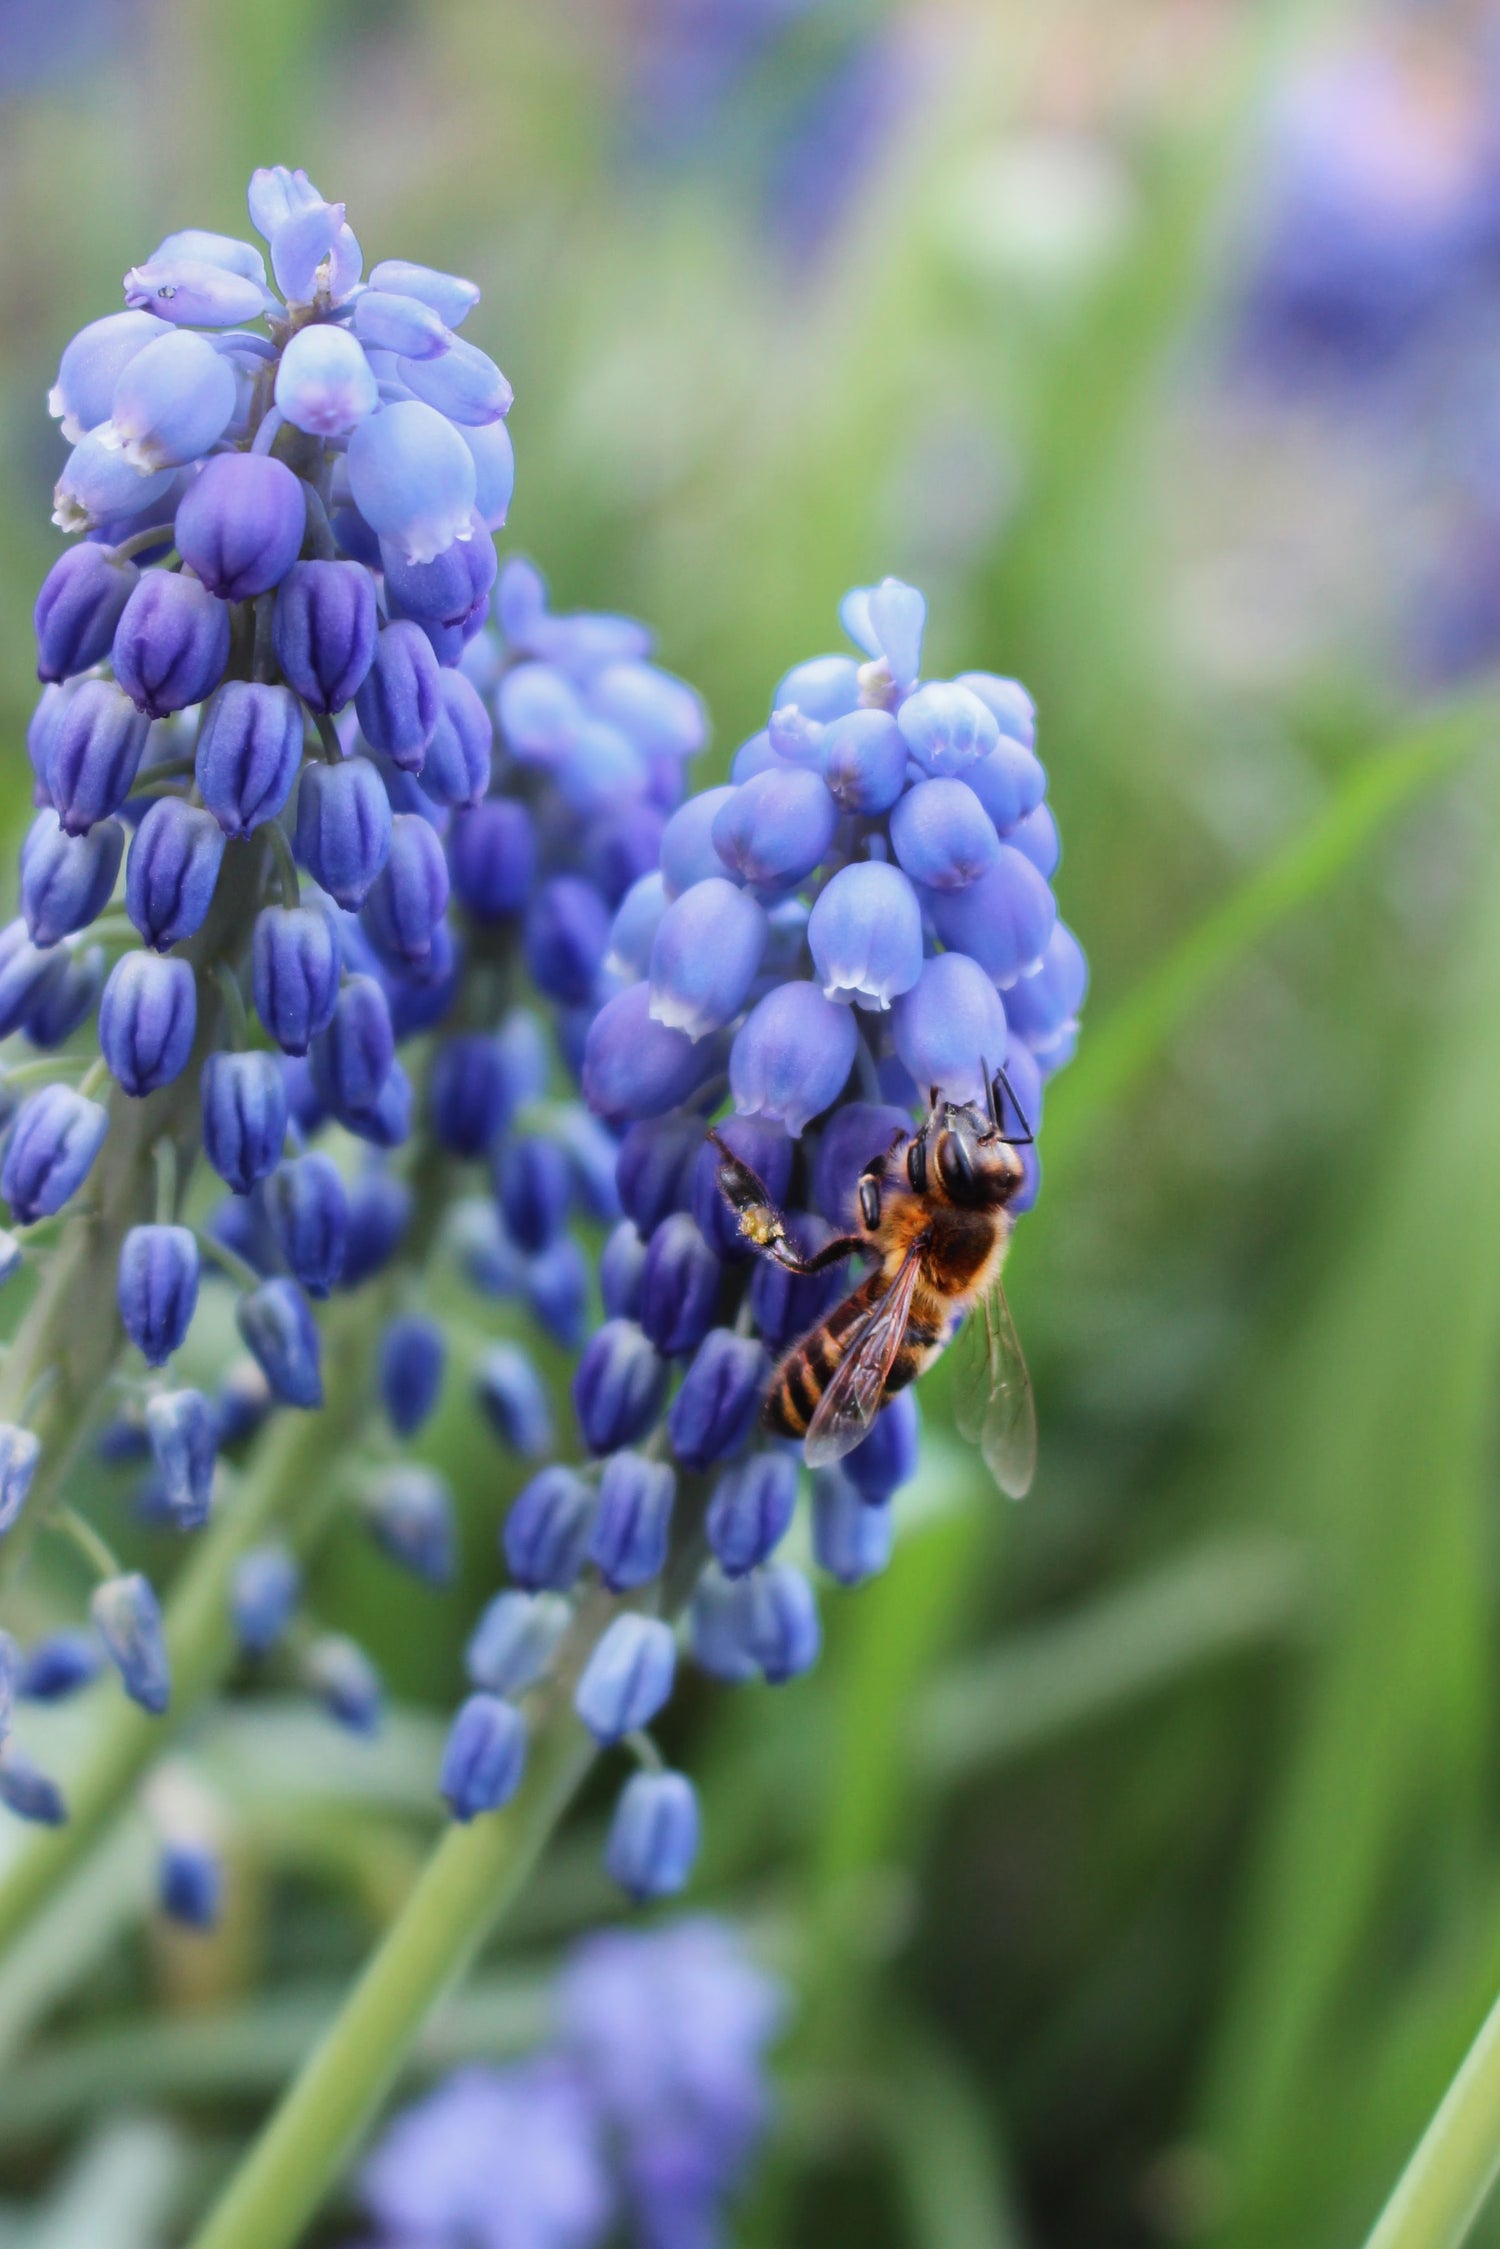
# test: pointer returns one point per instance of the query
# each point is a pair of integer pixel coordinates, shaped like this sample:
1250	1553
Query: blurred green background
1135	1852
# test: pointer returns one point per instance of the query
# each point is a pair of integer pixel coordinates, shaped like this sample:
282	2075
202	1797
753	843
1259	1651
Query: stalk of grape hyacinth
893	841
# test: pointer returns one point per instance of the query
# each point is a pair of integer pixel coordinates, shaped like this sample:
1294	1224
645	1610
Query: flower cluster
647	2105
862	913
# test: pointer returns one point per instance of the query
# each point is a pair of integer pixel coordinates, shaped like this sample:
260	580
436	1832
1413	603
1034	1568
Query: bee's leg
997	1088
832	1253
749	1198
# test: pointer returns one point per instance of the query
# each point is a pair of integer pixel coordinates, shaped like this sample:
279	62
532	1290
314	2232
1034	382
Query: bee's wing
1000	1410
853	1398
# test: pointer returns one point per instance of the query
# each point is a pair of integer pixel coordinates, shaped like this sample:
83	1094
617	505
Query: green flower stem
296	1458
1444	2186
473	1875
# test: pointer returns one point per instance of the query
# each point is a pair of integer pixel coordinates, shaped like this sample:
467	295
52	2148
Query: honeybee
933	1213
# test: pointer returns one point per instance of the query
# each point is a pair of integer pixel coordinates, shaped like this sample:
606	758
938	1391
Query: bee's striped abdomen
808	1368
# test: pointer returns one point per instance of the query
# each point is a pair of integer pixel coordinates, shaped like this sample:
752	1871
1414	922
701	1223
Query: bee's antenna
999	1086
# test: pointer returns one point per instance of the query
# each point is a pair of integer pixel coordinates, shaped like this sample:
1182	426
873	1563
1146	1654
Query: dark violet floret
484	1757
148	1016
653	1836
324	631
412	1354
78	608
294	973
546	1535
628	1678
309	1215
158	1288
175	856
248	754
281	1335
492	856
239	526
50	1152
244	1117
619	1387
171	643
67	881
714	1411
343	827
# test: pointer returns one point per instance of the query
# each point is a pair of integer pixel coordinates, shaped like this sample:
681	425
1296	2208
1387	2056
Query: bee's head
959	1149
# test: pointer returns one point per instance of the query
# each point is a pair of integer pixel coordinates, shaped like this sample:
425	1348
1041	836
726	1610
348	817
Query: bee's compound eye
869	1203
916	1165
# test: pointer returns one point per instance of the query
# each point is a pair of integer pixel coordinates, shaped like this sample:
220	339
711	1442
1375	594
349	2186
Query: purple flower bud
470	1097
785	1305
158	1288
719	1625
183	1430
309	1216
240	1403
249	752
175	858
705	957
556	1285
412	478
267	1586
1037	836
791	1058
887	1458
825	687
148	1018
50	1152
276	194
67	998
78	609
58	1664
622	1267
409	896
653	1836
324	383
943	836
463	383
19	1454
344	825
948	1026
566	938
865	934
494	461
1003	920
689	853
776	827
1042	1009
864	761
492	858
281	1335
628	1678
714	1411
99	485
410	1372
190	1883
93	755
224	250
353	1057
447	294
387	320
858	1133
620	847
172	402
341	1676
947	729
795	739
193	293
546	1533
751	1511
171	644
628	1543
514	1401
618	1388
92	364
634	1067
534	1188
388	1123
379	1214
662	715
410	1513
764	1146
1009	783
516	1638
540	713
294	974
29	1792
1008	700
240	524
852	1539
654	1169
785	1637
399	703
244	1116
324	630
459	756
887	620
484	1758
41	730
27	975
447	590
679	1287
633	931
128	1621
67	881
314	255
